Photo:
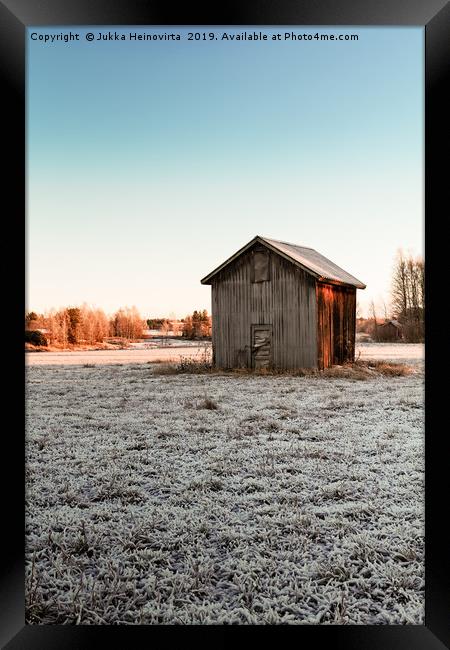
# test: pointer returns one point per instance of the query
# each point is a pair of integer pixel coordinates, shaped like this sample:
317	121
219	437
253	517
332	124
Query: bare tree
94	324
127	323
408	295
399	290
373	315
165	327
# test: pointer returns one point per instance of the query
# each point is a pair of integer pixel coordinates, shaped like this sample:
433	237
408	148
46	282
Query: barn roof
393	322
306	258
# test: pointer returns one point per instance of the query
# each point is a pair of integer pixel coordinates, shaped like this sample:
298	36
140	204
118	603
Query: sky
150	162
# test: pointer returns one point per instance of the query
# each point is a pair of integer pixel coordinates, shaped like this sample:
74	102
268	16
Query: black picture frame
434	15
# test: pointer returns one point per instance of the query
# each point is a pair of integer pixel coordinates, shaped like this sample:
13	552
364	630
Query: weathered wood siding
336	319
286	302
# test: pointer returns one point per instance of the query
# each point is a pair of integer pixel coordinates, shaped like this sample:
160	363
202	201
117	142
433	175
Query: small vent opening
261	266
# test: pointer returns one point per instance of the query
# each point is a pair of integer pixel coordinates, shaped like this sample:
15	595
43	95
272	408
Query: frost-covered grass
223	499
133	354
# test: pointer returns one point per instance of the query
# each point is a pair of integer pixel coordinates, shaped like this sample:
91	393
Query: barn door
261	346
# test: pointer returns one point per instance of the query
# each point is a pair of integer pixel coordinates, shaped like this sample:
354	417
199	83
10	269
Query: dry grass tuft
393	369
195	366
357	371
362	370
186	365
387	368
208	403
165	369
346	372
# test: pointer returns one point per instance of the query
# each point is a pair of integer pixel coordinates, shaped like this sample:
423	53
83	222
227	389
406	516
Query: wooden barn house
279	305
390	330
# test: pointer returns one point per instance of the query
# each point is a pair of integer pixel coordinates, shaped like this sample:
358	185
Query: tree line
194	326
76	325
198	325
408	295
405	316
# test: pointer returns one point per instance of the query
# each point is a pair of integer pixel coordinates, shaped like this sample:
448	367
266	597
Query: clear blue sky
150	162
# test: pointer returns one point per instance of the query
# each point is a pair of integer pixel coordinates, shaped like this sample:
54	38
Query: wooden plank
336	324
287	302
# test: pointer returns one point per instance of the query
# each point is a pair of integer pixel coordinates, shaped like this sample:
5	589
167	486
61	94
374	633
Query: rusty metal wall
336	319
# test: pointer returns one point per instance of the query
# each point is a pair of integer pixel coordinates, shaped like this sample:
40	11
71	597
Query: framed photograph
228	424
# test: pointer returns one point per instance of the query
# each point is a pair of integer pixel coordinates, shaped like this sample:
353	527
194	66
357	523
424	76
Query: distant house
152	332
390	330
281	305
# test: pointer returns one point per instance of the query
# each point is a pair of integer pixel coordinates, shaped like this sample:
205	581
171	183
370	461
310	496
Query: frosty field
211	499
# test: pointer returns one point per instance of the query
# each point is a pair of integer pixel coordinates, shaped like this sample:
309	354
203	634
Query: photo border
434	15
